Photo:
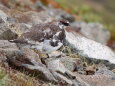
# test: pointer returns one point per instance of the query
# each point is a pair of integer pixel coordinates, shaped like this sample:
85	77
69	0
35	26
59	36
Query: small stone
90	70
72	64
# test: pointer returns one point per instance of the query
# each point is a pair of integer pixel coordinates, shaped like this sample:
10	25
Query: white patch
57	34
54	40
61	26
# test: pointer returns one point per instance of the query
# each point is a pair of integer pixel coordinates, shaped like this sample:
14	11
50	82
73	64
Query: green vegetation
16	78
2	77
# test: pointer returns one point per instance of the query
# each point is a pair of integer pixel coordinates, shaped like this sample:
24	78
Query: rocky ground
45	54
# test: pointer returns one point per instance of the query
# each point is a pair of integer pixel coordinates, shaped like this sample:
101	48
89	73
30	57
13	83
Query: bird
45	37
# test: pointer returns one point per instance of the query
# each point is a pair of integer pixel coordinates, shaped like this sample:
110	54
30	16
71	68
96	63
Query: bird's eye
65	23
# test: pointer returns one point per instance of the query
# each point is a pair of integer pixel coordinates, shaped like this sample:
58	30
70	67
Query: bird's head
63	24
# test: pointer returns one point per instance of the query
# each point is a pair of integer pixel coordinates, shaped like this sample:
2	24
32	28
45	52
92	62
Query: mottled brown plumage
48	37
41	32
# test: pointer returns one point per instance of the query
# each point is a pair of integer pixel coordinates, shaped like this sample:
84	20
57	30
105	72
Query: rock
3	16
55	65
6	33
33	18
6	49
72	64
62	74
60	14
30	54
4	8
30	61
98	80
19	28
104	71
62	79
7	46
94	31
88	48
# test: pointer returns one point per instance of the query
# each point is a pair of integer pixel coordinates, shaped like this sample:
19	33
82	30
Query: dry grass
10	77
69	52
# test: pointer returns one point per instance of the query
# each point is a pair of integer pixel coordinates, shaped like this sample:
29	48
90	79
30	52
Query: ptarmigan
44	37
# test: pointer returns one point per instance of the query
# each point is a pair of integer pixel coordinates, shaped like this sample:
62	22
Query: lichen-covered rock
30	61
6	49
71	64
19	28
5	45
89	48
55	65
33	18
6	33
64	75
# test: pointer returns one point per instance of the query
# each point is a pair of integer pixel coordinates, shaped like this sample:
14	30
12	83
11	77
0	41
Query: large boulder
88	48
32	18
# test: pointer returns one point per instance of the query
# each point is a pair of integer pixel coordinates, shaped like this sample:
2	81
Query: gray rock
6	33
6	49
94	31
3	16
19	28
104	71
5	45
33	18
71	64
62	74
98	80
30	61
55	65
4	8
89	48
60	14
